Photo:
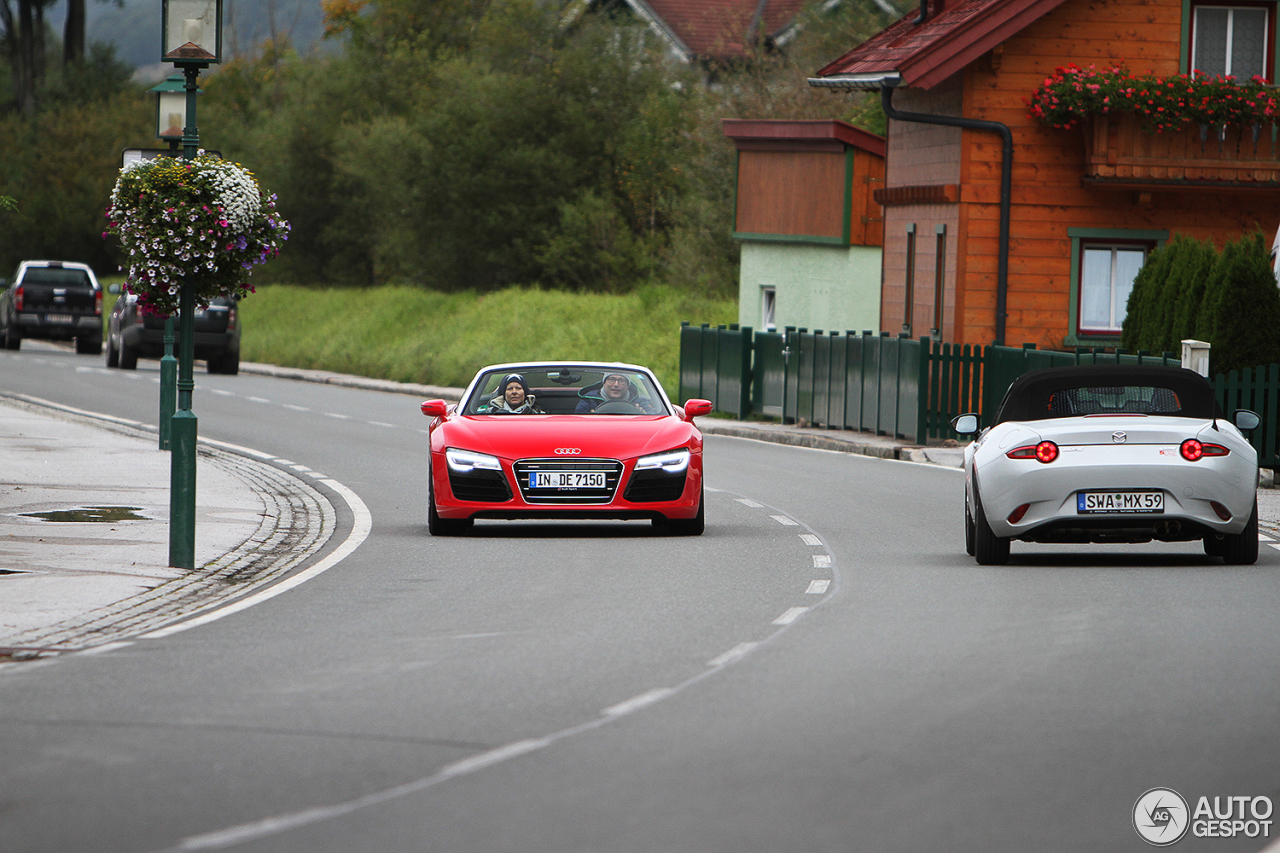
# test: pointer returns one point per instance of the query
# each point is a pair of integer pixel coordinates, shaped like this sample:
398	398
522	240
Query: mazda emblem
1119	437
568	451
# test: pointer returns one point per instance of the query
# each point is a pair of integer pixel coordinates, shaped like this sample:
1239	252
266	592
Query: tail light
18	298
1222	511
1194	450
1017	514
97	302
231	318
1045	451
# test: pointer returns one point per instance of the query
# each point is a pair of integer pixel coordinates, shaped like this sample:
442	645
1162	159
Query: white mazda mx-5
1109	453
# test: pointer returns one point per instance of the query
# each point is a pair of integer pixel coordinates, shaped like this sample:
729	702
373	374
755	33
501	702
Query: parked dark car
53	300
132	334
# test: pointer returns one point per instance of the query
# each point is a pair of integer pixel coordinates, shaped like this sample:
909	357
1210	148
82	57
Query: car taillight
97	302
231	318
1045	451
1017	514
18	299
1193	450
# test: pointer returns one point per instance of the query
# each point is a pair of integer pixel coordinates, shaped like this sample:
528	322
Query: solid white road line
363	524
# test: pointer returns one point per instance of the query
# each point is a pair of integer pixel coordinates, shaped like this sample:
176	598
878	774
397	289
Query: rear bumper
38	325
150	342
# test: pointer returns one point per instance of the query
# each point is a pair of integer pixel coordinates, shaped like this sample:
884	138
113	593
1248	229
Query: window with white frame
769	309
1107	271
1231	40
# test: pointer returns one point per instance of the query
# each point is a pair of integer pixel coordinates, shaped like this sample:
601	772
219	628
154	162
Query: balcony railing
1119	152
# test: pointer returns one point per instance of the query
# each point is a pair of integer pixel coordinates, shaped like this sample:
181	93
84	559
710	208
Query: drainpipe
1006	187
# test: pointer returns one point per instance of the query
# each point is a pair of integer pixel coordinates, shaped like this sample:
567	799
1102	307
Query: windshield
556	390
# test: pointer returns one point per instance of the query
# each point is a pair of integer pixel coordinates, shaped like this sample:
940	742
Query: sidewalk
84	517
84	530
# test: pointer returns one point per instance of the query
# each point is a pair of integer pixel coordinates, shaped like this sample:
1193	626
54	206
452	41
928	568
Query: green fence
1256	389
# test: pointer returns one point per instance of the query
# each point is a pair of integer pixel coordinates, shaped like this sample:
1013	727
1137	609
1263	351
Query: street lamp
171	109
191	38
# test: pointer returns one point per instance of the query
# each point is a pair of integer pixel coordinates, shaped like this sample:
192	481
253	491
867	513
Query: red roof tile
723	28
950	39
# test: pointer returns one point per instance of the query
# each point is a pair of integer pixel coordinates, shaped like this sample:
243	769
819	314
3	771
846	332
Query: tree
1243	306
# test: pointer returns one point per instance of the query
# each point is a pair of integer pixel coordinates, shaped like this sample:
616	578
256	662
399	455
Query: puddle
98	514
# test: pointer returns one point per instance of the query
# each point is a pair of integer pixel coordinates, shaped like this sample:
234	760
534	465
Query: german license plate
566	479
1120	503
59	318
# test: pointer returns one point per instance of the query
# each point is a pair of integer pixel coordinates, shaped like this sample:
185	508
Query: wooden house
709	32
809	227
998	228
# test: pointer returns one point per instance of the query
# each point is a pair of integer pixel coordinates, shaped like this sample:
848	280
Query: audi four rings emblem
568	451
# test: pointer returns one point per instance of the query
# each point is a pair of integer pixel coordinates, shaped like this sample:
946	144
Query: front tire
968	527
128	356
1241	549
687	526
988	549
113	354
438	526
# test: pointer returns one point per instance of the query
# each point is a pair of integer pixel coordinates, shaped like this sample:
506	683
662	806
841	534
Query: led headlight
464	461
672	462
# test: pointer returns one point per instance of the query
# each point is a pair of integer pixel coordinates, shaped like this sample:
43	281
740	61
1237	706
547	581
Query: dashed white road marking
381	424
749	502
782	519
809	539
257	399
822	561
635	703
338	416
220	392
736	653
294	408
818	587
791	615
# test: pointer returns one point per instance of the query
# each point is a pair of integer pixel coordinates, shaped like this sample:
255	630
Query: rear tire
12	340
988	549
1241	549
113	355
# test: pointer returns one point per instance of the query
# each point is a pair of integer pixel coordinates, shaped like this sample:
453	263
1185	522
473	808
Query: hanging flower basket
202	223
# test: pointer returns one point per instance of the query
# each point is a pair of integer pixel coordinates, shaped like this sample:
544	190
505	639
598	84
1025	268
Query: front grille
527	468
655	485
480	485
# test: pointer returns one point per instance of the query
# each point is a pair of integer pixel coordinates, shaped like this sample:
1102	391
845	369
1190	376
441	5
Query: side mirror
435	408
115	289
1245	419
965	424
697	408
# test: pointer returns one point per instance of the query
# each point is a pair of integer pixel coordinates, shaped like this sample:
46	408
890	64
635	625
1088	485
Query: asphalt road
823	670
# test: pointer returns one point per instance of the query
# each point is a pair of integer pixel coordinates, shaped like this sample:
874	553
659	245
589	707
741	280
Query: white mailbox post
1195	356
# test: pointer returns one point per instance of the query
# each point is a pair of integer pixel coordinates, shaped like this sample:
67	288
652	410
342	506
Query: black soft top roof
1028	398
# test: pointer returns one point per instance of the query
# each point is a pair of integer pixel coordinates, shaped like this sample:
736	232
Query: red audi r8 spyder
565	440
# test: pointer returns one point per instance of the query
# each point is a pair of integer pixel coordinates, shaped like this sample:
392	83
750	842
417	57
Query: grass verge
408	334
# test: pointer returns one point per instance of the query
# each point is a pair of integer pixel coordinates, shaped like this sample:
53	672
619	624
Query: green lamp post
191	34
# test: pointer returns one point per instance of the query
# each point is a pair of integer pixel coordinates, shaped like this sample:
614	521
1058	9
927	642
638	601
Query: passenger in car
515	398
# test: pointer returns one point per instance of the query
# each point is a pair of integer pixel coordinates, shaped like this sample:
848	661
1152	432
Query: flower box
1119	151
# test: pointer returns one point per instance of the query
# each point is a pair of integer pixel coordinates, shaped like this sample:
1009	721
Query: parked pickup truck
54	300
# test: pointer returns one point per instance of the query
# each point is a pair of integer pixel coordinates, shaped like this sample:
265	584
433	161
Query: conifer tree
1244	307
